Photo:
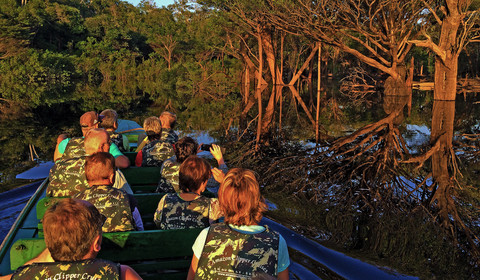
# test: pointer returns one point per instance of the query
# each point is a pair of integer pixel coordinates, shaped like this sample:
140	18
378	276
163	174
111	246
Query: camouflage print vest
229	254
114	204
67	177
180	214
74	148
117	139
169	136
155	152
169	181
86	269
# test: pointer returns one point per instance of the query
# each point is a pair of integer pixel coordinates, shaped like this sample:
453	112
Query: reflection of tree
443	193
361	167
371	170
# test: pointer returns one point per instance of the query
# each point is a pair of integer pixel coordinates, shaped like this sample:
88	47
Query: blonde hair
168	118
240	198
152	124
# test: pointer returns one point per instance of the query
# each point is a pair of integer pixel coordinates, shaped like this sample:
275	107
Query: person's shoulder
129	274
67	162
169	163
116	192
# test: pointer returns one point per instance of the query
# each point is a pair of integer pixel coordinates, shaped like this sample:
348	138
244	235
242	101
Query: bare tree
251	23
377	32
459	23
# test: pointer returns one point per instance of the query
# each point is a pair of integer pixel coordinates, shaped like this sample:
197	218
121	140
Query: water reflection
371	181
391	187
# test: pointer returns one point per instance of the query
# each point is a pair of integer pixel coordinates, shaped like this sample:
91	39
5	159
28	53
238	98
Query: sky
158	2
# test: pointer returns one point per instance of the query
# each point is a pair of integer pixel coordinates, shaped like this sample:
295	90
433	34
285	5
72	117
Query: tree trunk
269	110
269	53
318	90
259	89
310	84
446	67
280	78
443	116
246	86
446	78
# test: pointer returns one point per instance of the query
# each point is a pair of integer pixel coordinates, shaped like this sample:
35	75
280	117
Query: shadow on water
12	204
330	264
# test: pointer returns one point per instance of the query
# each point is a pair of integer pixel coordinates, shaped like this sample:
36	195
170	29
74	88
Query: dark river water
12	203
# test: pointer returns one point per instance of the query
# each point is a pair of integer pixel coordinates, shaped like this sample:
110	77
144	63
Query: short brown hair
240	199
169	118
193	172
109	118
185	147
70	228
99	166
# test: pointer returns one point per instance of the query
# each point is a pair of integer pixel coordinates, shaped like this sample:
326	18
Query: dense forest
57	52
253	68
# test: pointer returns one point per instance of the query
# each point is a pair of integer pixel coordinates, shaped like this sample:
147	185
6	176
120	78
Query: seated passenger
188	209
168	121
184	148
223	250
156	151
67	177
114	204
73	148
73	235
110	124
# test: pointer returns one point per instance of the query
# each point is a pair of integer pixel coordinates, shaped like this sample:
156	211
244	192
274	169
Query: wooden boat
155	254
166	254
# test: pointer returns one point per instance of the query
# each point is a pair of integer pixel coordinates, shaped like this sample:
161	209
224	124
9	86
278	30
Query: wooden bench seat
142	179
154	254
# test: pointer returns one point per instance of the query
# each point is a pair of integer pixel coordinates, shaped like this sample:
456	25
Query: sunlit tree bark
458	26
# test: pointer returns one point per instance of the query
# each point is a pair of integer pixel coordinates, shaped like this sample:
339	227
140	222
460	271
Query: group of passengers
100	200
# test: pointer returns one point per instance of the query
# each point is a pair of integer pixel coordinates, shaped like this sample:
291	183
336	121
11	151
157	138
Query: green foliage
37	78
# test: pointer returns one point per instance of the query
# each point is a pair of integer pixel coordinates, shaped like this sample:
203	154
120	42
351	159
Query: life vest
180	214
93	269
117	139
229	254
156	152
74	149
114	204
169	181
169	136
67	177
